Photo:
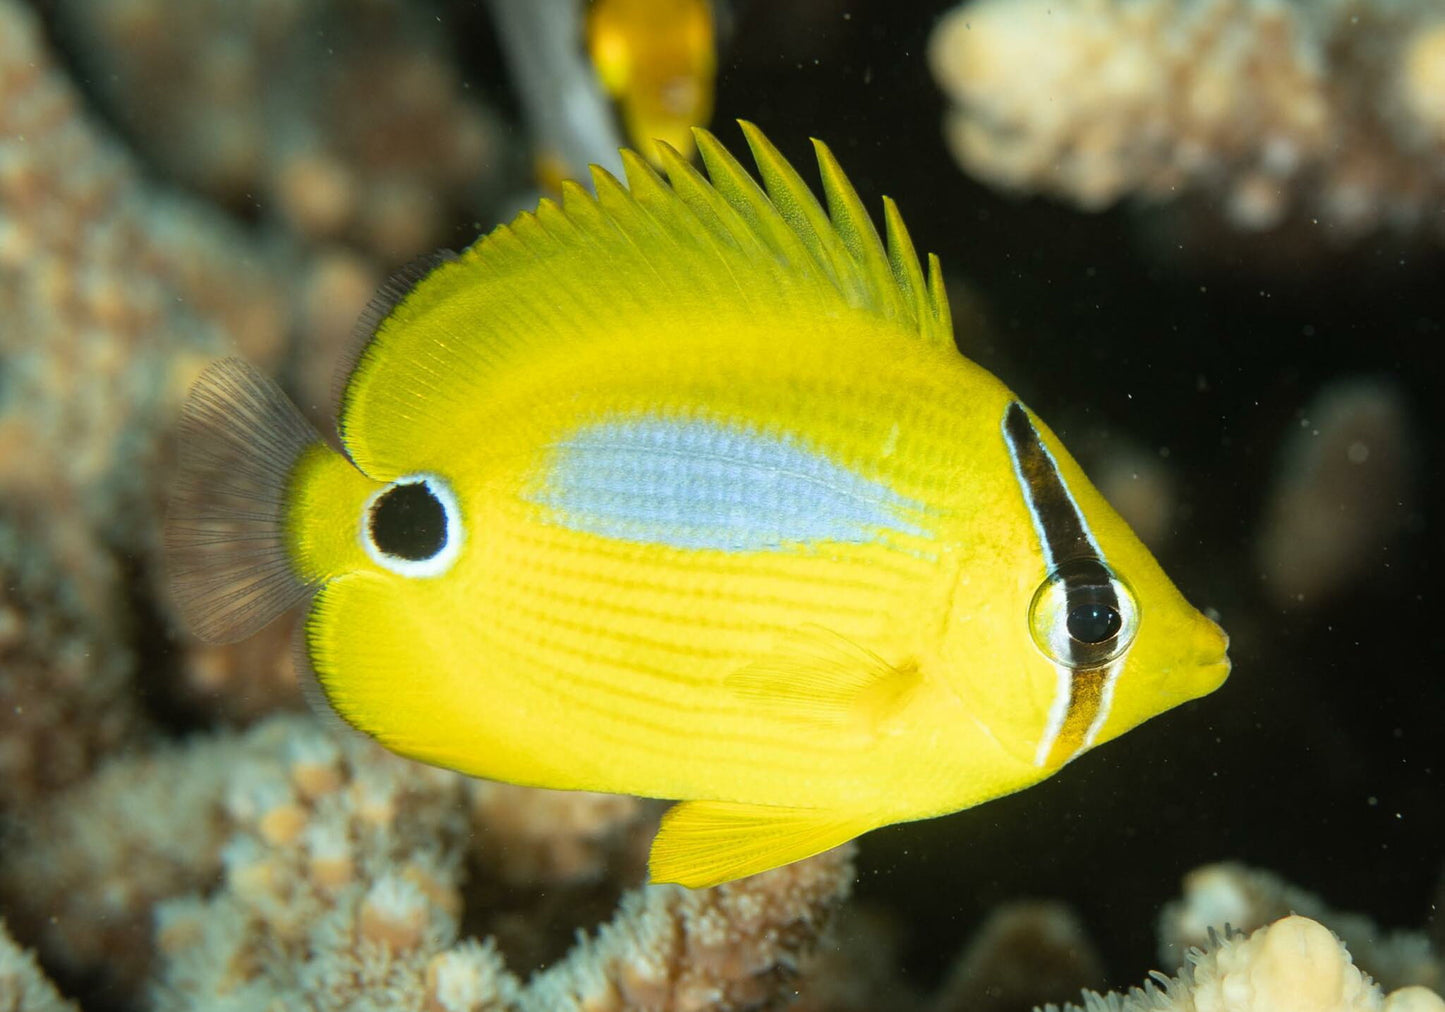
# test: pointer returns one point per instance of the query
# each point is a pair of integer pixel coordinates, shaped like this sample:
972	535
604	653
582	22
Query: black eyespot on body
1094	622
408	522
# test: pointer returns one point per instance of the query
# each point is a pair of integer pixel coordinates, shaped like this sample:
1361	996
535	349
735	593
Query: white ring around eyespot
451	511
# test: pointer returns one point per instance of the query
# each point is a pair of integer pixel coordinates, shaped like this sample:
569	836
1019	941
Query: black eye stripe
1068	545
1060	526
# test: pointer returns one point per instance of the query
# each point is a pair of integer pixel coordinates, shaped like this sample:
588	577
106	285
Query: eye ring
1083	615
433	502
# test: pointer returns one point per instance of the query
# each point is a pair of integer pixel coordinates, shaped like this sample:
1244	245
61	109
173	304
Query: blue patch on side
702	484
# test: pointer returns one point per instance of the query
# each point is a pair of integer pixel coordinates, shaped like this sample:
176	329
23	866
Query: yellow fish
683	490
657	59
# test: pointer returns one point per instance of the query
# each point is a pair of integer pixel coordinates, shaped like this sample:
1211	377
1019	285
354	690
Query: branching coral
23	988
1292	965
340	872
1326	109
340	886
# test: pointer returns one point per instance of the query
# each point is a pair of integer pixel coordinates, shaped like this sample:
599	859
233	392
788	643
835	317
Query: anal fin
706	843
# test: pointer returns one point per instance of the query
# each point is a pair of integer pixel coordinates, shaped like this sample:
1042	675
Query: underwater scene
666	505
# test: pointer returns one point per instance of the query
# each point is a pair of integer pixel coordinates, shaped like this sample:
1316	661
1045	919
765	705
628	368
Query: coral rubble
1328	110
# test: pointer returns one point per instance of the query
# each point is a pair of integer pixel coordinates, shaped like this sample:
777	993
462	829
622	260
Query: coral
1342	493
531	837
348	119
23	987
1328	111
1024	954
293	866
1220	895
65	667
340	886
733	947
113	296
83	870
1292	965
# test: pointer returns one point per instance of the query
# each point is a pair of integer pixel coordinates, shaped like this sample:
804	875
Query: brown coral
1023	955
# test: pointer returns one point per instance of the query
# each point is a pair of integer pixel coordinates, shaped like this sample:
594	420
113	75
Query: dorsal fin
392	291
644	253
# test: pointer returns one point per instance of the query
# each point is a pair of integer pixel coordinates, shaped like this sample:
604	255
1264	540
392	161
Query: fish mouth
1211	656
1212	676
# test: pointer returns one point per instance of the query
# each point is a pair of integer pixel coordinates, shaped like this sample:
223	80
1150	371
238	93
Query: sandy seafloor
1157	339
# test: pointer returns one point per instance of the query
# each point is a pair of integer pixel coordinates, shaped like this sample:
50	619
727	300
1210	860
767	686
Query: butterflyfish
658	60
683	490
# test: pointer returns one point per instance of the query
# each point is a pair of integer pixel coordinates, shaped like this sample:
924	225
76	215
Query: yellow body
657	59
797	687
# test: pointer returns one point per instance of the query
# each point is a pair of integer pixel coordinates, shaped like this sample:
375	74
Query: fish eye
1083	615
413	526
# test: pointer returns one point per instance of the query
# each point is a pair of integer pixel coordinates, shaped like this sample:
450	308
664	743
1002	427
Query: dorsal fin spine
751	203
716	214
939	297
801	210
903	261
851	221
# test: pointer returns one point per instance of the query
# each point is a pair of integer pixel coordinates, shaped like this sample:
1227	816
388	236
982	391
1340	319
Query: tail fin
240	438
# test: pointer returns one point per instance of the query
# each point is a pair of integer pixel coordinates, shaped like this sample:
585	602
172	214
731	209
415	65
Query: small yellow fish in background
658	60
684	491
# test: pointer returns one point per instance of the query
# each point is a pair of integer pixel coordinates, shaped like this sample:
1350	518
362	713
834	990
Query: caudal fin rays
240	439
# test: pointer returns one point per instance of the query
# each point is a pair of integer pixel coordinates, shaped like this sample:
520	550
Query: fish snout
1210	653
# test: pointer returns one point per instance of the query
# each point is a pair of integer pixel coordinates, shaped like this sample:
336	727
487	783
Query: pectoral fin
706	843
819	678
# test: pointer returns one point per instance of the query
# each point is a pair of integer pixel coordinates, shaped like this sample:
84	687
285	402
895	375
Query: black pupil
1093	623
408	522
